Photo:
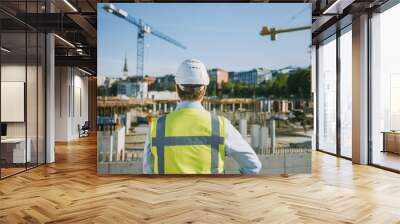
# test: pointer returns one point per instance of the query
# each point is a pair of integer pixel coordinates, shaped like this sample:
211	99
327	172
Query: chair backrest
86	125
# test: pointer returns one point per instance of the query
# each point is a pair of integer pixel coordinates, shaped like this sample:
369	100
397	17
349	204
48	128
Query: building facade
166	82
218	75
132	89
254	76
132	86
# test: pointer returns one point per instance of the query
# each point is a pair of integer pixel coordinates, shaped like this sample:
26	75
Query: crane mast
143	29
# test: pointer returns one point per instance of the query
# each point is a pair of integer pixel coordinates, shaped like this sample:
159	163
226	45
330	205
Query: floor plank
69	191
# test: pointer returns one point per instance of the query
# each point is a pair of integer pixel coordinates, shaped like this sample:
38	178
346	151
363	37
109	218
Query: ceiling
330	15
75	23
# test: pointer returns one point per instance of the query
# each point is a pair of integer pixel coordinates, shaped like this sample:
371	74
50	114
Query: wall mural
204	89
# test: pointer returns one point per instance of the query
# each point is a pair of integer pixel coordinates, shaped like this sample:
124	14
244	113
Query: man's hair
191	92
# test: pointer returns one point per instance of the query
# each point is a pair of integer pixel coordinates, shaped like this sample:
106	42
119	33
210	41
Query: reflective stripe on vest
160	141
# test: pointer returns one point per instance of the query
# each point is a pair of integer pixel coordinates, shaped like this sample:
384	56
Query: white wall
62	82
33	126
11	73
71	103
80	110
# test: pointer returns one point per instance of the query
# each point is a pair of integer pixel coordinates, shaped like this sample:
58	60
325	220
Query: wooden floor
387	159
5	172
69	191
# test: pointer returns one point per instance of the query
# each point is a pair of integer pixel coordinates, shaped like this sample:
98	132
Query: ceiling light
84	71
5	50
64	40
331	7
70	5
79	51
337	7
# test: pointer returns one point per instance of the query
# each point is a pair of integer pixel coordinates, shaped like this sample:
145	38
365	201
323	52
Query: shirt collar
189	104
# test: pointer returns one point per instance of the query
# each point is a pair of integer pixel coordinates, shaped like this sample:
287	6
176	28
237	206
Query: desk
13	150
391	141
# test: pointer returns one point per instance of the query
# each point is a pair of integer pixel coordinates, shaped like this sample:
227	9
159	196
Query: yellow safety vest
188	141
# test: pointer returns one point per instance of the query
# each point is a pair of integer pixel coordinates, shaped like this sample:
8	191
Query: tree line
295	84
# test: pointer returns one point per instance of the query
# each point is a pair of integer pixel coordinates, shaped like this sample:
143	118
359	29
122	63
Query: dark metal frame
0	87
369	90
316	97
338	76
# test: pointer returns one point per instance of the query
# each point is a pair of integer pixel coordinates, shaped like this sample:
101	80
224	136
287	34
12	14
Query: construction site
278	128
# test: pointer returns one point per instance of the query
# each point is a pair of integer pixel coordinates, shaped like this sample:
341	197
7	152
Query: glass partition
22	91
13	86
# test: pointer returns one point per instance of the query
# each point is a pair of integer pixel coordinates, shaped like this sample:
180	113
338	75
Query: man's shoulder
227	123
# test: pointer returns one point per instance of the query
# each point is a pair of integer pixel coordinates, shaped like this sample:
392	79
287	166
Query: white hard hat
192	72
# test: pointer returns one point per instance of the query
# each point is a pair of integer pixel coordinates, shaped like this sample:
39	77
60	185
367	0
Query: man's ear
205	90
204	93
176	90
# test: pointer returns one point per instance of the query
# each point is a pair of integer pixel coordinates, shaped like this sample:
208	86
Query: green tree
101	91
279	86
212	88
112	91
227	88
171	87
299	83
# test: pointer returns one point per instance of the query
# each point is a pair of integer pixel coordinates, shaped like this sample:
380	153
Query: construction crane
143	28
265	31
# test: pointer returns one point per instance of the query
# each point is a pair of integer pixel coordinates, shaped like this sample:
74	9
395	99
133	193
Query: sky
221	35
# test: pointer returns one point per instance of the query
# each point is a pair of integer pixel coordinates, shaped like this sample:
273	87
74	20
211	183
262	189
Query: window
346	93
385	89
327	95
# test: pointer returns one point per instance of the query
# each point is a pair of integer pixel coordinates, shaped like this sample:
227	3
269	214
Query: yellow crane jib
265	31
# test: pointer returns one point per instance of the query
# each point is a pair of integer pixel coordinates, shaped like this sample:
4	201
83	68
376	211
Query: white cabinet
19	155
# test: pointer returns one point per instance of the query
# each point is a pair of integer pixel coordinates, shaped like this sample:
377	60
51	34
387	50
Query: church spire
126	65
125	70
